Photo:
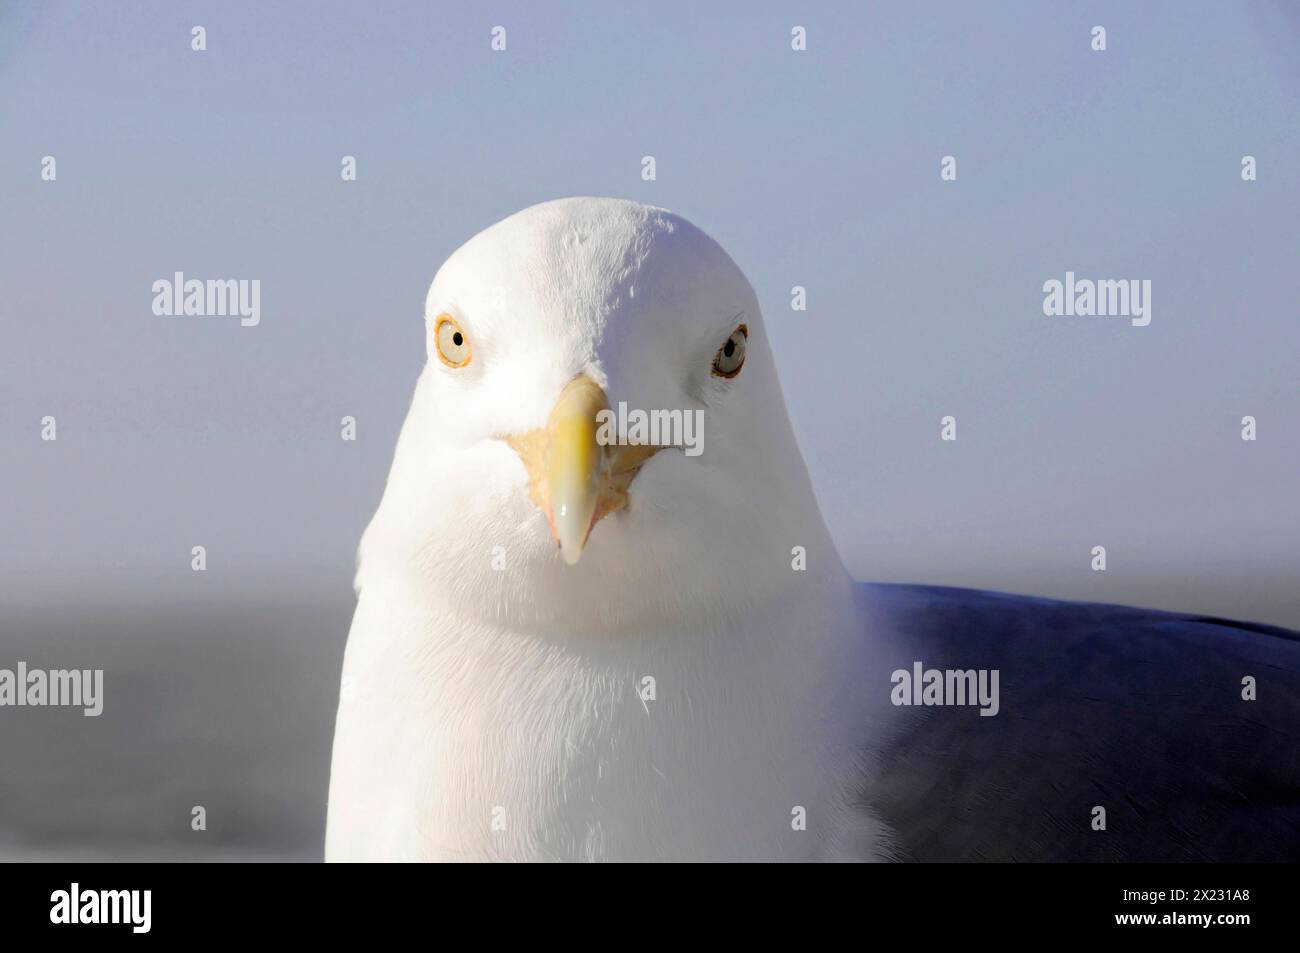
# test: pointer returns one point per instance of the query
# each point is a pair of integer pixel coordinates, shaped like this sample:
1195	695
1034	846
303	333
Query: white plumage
493	701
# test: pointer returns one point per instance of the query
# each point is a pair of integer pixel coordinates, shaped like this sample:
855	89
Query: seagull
575	642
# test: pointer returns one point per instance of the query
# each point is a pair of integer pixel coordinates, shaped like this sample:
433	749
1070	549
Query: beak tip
571	544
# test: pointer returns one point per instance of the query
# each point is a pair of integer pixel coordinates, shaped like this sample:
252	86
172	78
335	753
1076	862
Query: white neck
456	741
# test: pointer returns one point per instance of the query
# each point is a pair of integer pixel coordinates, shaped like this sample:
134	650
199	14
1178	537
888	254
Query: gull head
598	432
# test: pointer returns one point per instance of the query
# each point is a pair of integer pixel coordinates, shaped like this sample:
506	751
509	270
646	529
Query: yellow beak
574	480
574	465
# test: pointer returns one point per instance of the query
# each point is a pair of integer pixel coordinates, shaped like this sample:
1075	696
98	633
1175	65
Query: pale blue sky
817	168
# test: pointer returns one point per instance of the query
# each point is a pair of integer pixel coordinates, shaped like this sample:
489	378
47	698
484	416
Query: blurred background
817	168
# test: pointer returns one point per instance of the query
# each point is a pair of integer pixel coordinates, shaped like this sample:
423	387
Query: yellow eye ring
451	341
731	356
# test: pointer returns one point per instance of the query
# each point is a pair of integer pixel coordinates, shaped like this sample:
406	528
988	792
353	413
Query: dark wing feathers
1136	711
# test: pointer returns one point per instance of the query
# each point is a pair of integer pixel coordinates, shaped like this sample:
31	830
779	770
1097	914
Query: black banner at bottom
137	902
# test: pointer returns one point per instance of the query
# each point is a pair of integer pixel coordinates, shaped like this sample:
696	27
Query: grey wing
1137	712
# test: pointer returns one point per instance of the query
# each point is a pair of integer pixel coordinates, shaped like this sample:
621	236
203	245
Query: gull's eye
731	356
453	345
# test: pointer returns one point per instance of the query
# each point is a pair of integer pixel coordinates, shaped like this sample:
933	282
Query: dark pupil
730	348
457	339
